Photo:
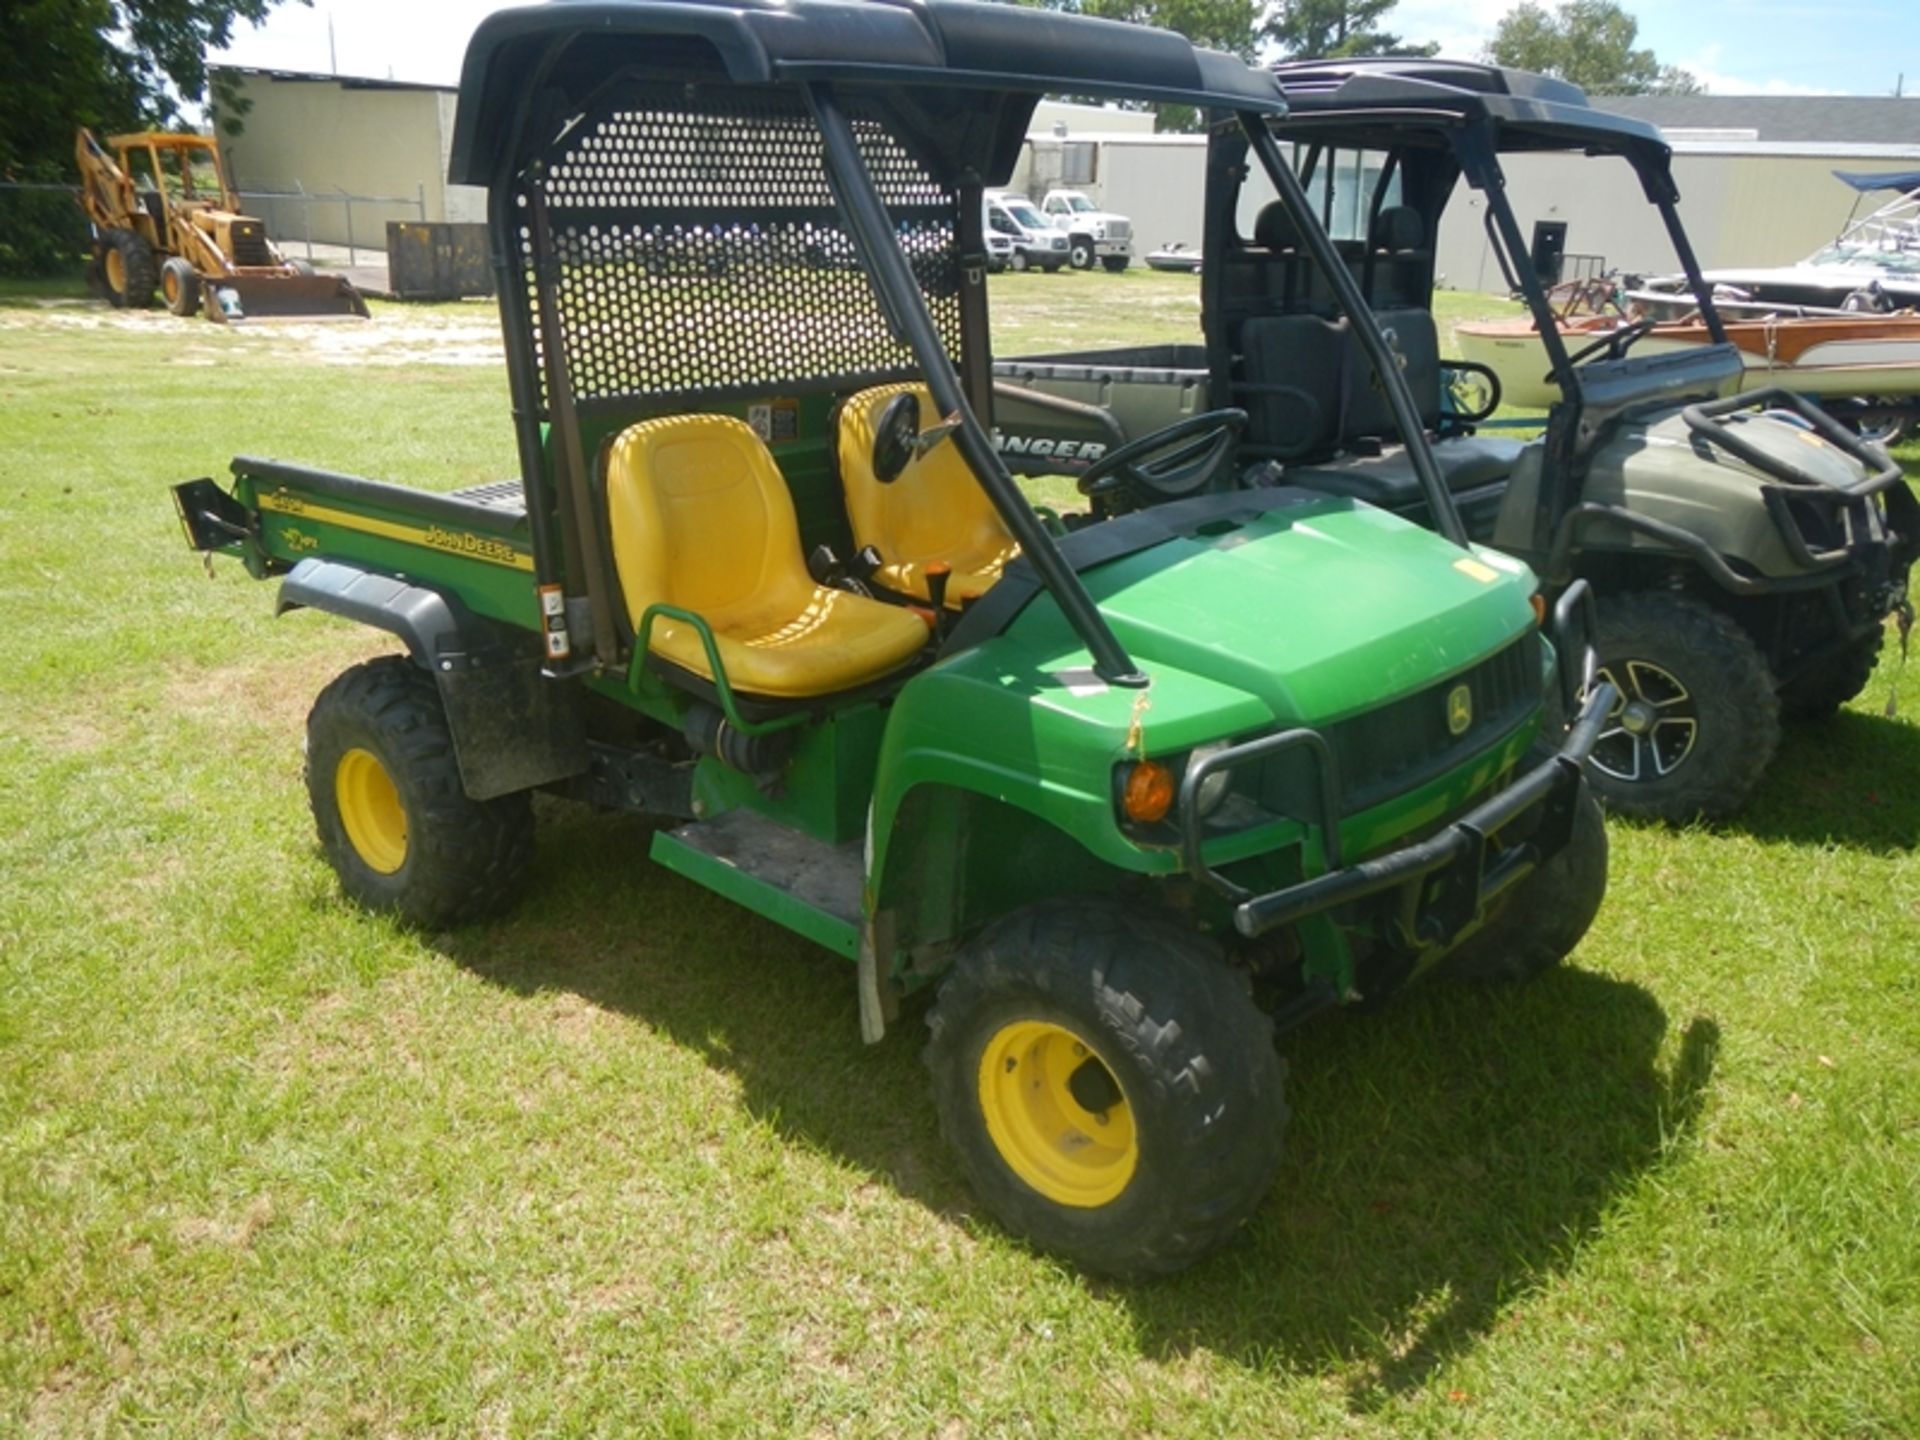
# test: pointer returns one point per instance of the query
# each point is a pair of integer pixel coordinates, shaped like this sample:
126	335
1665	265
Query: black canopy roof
566	48
1528	111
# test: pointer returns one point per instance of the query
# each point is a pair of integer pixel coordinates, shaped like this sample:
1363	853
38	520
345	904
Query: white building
331	135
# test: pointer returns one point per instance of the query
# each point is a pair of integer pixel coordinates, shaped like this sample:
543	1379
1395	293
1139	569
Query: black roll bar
900	297
1393	384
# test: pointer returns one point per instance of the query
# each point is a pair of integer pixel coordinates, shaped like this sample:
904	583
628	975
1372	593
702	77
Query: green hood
1318	610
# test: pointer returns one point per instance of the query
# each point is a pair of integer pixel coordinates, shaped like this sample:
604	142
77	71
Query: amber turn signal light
1539	608
1147	794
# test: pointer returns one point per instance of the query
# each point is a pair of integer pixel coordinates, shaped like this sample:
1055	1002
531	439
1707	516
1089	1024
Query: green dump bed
472	543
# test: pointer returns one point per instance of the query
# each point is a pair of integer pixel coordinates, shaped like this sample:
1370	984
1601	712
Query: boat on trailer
1864	365
1874	263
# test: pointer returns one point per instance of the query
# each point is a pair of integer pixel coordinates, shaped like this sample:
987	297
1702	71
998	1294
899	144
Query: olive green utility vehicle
1745	551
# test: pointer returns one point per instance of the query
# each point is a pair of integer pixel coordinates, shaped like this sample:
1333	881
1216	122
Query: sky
1737	47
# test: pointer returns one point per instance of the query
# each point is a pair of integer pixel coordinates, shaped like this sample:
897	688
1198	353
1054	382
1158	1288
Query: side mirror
895	437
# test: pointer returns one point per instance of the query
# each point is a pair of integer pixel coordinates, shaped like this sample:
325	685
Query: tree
113	65
1335	29
1589	42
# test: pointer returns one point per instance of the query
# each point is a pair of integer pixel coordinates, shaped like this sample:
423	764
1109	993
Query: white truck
1031	243
1093	234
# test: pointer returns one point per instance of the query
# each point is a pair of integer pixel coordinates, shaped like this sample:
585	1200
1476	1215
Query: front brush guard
1459	873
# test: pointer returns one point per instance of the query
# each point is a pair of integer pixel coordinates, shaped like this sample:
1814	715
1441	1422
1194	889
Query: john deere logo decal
1459	710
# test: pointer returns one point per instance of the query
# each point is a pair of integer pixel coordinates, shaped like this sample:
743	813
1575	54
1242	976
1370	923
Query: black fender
439	631
514	727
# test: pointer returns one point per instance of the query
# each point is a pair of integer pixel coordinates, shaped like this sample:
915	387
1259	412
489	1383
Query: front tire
1835	680
395	821
1080	253
1019	261
1698	719
1108	1085
1538	924
180	285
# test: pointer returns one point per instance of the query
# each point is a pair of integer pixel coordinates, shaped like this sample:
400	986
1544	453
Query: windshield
1900	262
1026	215
1079	204
200	174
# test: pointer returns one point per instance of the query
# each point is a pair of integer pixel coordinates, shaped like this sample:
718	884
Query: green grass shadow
1446	1154
1851	779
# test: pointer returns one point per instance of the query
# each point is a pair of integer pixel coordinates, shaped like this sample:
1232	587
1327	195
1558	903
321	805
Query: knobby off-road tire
1703	693
1541	920
394	820
1834	681
127	265
180	285
1073	1010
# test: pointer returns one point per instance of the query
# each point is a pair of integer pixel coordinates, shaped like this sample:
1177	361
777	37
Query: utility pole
333	55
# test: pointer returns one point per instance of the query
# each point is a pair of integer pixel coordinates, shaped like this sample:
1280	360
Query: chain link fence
299	219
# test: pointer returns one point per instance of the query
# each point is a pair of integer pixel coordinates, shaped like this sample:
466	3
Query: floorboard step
791	878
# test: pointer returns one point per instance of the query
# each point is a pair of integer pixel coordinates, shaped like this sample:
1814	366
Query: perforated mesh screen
700	254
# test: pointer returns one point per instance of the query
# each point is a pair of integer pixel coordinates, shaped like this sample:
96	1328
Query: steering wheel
1169	464
1614	342
1461	378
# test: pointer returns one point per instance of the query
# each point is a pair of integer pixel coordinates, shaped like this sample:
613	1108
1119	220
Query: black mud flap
513	727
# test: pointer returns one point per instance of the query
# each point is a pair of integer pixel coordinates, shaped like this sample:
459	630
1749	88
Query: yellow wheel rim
116	272
170	286
1037	1083
370	809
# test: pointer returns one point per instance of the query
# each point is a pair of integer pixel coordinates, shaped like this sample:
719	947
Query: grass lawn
619	1165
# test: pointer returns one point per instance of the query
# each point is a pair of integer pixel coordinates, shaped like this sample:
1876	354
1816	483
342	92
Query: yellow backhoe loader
165	218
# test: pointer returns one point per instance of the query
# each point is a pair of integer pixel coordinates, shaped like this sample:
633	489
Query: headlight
1213	790
1146	792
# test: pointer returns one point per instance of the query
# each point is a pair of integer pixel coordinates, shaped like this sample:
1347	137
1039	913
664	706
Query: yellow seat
935	512
701	519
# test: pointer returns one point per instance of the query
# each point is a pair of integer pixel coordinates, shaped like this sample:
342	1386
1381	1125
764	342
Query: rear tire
127	265
1116	264
180	285
1108	1085
1538	924
1835	680
394	820
1698	720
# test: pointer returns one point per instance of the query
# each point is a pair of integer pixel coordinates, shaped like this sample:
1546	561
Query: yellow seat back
701	520
935	510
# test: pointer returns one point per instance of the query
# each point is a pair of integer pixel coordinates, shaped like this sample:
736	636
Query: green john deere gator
1134	790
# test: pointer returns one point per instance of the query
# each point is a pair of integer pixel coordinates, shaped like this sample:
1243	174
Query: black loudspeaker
1549	249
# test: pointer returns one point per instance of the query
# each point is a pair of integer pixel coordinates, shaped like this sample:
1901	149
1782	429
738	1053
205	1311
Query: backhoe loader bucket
230	298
